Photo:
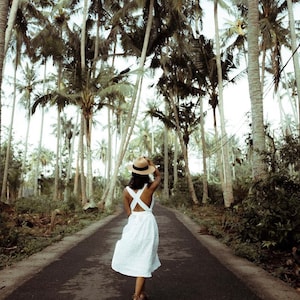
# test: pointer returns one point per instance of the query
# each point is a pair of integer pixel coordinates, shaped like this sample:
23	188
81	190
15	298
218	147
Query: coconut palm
9	139
21	37
182	115
227	178
258	133
108	195
211	81
233	35
27	87
295	54
60	100
3	24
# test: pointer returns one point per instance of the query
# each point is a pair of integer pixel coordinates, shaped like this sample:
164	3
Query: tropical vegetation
117	79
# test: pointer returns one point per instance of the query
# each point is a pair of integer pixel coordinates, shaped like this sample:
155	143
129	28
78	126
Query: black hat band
140	169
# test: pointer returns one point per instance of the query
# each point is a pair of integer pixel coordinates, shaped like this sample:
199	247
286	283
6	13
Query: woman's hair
138	181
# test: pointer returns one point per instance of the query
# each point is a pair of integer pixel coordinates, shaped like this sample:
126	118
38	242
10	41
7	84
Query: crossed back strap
137	200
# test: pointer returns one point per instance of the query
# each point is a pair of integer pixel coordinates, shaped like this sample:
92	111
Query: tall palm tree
295	54
11	22
26	88
108	195
227	177
5	183
60	100
258	134
21	37
3	24
182	118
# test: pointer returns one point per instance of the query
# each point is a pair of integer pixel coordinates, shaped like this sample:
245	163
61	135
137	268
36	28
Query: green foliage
215	194
24	227
8	234
249	251
14	168
36	205
271	214
180	194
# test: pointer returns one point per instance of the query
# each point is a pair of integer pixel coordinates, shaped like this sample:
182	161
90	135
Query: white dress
136	252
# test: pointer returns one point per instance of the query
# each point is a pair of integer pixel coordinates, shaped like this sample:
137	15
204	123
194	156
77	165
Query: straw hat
141	166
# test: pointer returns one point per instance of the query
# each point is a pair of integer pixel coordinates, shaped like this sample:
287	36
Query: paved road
81	269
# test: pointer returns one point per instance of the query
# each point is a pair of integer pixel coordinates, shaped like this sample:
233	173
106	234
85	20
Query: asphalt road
193	267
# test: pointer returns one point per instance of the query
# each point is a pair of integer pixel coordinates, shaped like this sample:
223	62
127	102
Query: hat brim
150	170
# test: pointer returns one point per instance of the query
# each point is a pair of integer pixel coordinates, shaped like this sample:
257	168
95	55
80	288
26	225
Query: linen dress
136	252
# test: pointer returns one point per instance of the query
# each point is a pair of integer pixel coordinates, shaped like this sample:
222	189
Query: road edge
18	273
263	284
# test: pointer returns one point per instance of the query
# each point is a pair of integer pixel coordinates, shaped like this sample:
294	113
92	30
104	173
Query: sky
236	101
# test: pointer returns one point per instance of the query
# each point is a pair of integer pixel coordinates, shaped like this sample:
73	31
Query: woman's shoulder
126	189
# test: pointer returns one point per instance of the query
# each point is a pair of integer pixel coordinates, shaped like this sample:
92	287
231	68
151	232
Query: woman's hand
150	163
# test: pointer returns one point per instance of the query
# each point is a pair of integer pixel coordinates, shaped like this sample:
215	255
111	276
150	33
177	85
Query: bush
271	213
36	205
180	194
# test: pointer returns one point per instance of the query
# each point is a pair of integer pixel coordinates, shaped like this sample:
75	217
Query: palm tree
21	34
11	22
27	88
3	24
182	118
227	177
295	54
233	35
254	82
9	139
107	196
60	100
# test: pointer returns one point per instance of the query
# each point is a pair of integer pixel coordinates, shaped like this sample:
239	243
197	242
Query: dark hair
138	181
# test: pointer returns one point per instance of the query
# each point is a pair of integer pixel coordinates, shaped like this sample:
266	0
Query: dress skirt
136	252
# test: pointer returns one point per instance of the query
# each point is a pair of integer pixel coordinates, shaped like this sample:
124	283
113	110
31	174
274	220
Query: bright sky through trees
236	99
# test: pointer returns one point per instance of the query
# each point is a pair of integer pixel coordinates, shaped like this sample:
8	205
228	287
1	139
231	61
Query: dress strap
136	198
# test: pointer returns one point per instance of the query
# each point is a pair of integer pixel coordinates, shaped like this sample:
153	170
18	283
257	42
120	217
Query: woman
136	252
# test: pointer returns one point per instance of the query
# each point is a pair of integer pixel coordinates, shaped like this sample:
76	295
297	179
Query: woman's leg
139	286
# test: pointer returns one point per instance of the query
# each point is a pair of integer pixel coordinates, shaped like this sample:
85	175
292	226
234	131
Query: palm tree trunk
258	134
57	158
204	156
69	169
11	22
227	187
37	167
263	68
88	133
108	163
81	154
295	54
3	24
185	154
175	169
166	162
107	196
88	119
21	190
8	149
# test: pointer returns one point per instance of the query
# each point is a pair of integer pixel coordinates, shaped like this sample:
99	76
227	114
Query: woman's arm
157	176
126	201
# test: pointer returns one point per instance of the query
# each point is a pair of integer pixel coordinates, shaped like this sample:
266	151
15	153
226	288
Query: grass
26	228
223	224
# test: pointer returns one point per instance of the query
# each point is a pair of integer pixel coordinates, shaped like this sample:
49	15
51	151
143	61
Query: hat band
140	169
